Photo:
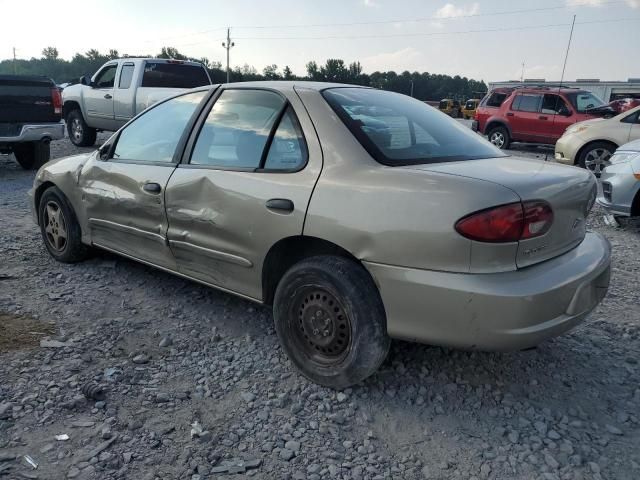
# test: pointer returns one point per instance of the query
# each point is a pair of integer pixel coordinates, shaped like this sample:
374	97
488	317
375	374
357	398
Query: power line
430	34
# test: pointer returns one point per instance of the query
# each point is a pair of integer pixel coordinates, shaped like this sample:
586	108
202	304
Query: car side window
106	77
154	136
633	118
526	103
236	131
126	74
553	105
288	150
496	99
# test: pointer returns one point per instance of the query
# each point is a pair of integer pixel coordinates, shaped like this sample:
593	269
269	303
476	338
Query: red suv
534	114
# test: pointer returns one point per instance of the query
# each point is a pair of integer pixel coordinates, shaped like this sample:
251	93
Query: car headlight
623	157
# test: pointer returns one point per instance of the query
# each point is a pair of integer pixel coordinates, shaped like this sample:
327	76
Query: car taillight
507	223
56	100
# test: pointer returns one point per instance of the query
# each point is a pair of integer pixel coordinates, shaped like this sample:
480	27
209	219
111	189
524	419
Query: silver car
620	194
360	215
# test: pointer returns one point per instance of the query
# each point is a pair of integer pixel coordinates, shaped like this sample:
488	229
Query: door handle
152	187
108	96
542	117
281	204
509	114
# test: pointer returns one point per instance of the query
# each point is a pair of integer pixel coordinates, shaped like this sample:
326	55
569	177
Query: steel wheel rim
76	129
55	226
320	326
597	160
497	139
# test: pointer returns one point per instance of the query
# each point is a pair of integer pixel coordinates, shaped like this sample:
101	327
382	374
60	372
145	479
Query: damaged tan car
360	215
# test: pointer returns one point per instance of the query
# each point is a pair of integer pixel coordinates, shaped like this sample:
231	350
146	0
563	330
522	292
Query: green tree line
425	86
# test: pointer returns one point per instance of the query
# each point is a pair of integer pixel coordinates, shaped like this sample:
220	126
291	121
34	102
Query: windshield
584	101
398	130
471	104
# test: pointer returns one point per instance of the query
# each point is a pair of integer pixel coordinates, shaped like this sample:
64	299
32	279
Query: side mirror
565	112
85	80
103	151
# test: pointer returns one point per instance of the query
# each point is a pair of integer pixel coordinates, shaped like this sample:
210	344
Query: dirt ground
198	388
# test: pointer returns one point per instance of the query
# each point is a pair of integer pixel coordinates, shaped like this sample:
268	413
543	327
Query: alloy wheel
597	159
55	226
497	138
76	129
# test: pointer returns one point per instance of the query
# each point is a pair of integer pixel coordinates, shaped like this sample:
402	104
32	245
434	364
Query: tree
113	54
270	72
313	72
171	52
287	74
50	53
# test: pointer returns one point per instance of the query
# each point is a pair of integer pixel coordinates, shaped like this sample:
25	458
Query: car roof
277	84
541	89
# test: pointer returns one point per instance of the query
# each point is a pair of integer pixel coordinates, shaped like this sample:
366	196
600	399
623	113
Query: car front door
124	187
98	98
559	116
243	185
524	118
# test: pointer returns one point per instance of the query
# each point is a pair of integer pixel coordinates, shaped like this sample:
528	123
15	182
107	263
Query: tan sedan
591	143
360	215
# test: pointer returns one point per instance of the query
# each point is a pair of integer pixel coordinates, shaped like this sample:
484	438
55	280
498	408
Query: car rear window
174	75
495	99
398	130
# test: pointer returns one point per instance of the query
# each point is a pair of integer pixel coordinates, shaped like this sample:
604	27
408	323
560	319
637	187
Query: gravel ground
196	386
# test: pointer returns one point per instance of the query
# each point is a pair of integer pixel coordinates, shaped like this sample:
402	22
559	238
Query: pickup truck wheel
32	155
80	134
499	136
330	321
60	228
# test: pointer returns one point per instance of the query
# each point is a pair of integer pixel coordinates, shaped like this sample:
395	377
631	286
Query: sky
484	39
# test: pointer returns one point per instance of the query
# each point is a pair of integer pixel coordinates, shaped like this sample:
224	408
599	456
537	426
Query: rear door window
398	130
527	102
126	74
496	99
174	75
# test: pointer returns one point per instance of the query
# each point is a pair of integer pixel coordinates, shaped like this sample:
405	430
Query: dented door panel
121	215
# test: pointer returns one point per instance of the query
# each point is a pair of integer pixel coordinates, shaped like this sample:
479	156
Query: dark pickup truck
30	117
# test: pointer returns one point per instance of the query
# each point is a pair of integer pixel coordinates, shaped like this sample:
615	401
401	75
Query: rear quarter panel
391	215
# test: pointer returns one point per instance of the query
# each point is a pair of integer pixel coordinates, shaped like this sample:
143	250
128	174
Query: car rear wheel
59	227
595	157
330	321
80	134
32	155
499	136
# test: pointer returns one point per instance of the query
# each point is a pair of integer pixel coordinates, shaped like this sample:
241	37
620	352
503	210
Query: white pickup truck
120	90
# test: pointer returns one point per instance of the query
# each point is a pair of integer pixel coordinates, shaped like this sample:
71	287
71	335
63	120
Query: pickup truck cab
30	117
121	89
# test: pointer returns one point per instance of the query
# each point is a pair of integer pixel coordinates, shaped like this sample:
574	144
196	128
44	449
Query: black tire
595	156
500	137
330	320
32	155
80	134
72	250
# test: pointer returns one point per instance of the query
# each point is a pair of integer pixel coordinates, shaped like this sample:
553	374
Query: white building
606	90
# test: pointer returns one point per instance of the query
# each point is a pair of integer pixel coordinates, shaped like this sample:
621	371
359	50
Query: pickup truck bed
30	117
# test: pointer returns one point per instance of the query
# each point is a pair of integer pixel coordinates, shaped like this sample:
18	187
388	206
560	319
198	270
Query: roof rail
546	86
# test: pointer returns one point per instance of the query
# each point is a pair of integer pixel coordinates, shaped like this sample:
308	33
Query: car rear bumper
619	189
36	133
498	311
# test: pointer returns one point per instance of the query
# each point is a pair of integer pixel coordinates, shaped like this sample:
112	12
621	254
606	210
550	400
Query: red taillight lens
56	100
507	223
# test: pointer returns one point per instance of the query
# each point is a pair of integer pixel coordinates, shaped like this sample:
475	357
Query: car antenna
564	66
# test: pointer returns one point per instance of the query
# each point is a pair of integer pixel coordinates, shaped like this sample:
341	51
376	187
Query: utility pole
228	44
522	75
15	68
412	88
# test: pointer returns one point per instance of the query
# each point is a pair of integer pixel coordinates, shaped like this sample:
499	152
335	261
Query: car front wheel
595	157
60	229
330	321
80	134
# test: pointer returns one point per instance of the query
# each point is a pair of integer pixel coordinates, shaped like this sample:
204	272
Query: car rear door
244	184
524	118
98	98
124	192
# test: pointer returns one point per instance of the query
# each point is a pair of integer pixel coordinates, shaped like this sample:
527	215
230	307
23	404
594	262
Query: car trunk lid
570	192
